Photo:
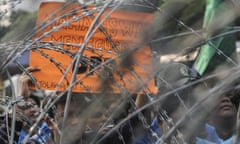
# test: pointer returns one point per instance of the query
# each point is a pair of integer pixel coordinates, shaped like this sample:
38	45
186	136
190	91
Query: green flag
207	57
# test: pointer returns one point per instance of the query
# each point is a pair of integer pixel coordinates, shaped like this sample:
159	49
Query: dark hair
234	95
172	102
35	98
232	90
76	98
171	76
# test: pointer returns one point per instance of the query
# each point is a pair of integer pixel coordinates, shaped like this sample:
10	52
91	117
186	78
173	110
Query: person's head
226	108
224	115
31	108
170	77
90	110
75	123
226	103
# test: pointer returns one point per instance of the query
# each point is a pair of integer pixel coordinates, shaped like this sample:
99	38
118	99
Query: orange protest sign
115	56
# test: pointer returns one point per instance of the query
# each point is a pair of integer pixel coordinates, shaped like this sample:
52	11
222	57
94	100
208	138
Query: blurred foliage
22	23
190	12
174	17
3	31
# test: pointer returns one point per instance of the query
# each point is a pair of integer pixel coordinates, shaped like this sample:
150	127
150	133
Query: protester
76	130
27	112
170	76
221	123
26	117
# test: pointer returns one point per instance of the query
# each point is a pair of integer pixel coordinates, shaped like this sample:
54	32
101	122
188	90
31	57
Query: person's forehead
31	100
231	93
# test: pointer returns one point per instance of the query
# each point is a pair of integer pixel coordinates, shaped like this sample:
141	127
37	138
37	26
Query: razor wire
5	4
59	48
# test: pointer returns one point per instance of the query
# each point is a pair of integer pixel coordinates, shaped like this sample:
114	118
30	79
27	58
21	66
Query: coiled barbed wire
54	29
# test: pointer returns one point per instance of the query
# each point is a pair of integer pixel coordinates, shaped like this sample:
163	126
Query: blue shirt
213	137
147	138
44	133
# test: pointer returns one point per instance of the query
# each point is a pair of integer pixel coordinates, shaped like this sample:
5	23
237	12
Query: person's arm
141	100
24	82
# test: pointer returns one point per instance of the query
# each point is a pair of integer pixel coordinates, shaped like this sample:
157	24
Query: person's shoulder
202	141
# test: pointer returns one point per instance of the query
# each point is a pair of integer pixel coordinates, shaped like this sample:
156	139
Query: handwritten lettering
94	42
115	27
49	85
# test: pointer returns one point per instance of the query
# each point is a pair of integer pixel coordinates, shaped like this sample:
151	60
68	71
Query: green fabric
213	9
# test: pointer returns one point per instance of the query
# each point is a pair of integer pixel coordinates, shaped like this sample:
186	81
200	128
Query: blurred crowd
170	116
185	110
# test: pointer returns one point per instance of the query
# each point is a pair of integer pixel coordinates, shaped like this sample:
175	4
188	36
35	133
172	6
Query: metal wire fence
122	71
